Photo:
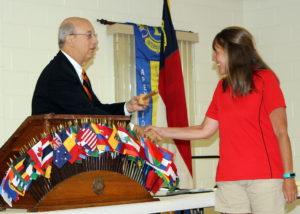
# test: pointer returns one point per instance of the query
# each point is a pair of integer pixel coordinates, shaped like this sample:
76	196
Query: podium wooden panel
75	190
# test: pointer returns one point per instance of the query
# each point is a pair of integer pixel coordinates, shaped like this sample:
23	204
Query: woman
255	169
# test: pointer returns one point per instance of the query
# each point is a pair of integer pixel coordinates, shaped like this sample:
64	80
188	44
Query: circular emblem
151	36
98	185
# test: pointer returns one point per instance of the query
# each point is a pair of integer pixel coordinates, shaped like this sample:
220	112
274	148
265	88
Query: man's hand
134	105
139	130
145	98
154	133
151	134
139	103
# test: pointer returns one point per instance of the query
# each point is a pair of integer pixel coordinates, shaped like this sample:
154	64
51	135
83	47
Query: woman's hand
148	132
290	190
154	133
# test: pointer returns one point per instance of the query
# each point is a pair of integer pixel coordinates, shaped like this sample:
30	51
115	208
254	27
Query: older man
63	86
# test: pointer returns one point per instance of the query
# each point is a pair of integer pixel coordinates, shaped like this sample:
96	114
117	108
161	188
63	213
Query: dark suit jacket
59	90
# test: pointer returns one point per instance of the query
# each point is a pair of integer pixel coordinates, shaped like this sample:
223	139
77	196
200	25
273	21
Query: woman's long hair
242	59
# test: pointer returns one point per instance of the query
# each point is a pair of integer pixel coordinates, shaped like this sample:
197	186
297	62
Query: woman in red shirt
255	169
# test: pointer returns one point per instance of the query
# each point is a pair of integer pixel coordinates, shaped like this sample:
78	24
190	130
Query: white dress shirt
78	69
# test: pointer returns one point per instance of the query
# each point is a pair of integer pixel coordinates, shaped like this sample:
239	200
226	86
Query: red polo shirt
248	148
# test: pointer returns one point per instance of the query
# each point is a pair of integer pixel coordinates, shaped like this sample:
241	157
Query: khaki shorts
263	196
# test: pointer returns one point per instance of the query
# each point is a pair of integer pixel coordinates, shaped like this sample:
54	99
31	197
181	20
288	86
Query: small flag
85	136
131	147
61	156
56	141
71	146
113	142
7	193
41	153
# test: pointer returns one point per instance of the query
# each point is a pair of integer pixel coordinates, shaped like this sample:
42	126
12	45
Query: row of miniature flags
72	144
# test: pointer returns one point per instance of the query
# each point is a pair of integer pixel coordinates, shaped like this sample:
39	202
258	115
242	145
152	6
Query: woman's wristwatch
289	175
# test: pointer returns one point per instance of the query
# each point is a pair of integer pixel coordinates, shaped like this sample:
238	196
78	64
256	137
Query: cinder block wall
277	30
276	27
28	41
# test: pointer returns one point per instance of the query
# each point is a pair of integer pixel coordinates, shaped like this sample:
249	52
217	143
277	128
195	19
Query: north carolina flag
171	90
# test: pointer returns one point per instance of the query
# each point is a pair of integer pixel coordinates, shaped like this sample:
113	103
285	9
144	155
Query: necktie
86	85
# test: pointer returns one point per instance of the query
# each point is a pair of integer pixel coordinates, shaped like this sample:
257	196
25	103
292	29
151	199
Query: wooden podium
94	182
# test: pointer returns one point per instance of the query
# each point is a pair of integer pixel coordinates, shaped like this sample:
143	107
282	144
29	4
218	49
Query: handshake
154	133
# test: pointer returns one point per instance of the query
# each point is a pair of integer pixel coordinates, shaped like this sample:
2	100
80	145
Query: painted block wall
28	41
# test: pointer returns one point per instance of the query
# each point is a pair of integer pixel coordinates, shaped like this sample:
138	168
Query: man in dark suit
63	87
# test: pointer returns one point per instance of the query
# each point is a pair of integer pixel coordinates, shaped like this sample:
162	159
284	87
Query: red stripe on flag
171	85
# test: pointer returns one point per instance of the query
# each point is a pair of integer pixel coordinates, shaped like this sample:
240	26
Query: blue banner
147	51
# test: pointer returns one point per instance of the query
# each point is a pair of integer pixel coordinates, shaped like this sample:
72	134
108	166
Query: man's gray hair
66	28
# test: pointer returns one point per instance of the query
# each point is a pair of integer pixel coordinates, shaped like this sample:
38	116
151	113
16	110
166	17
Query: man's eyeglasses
88	35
